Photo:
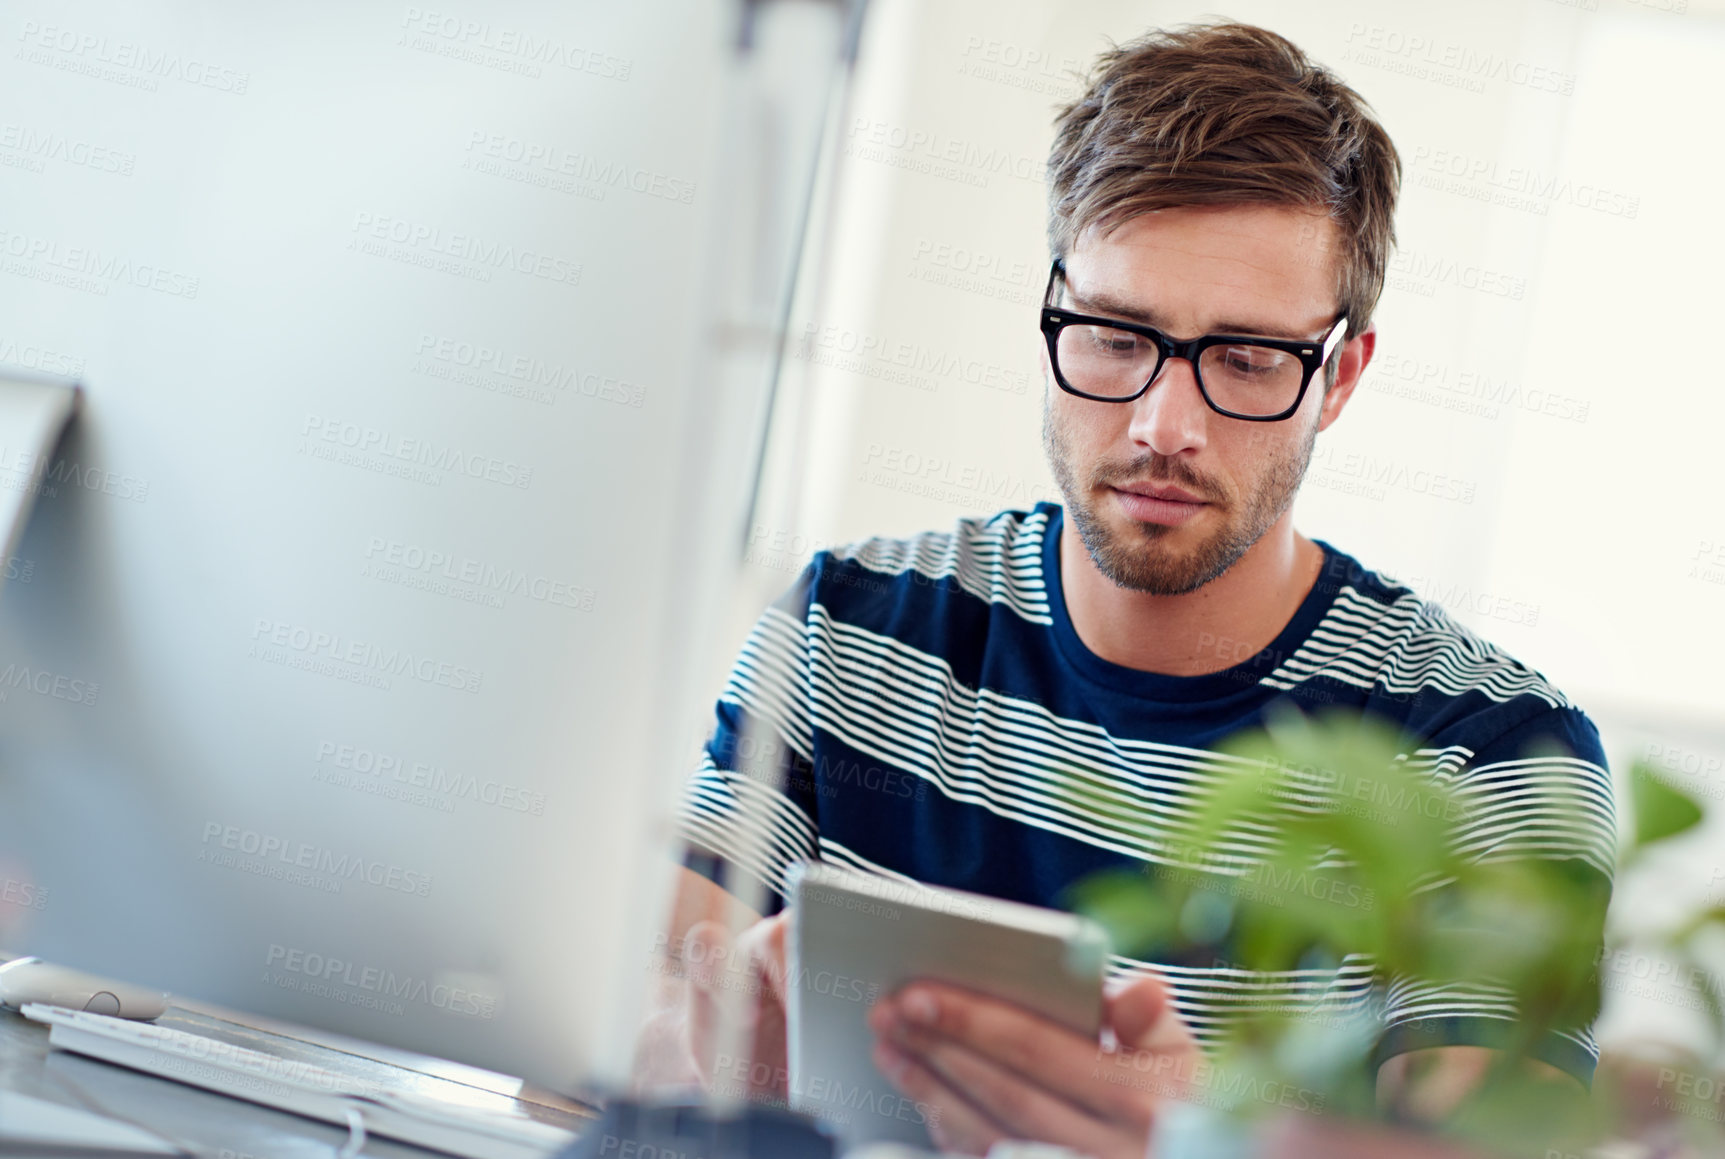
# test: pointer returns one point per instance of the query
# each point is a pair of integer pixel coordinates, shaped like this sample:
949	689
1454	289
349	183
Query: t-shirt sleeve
1540	790
750	806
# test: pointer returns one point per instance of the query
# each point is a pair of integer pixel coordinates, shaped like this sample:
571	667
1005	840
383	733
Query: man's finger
763	945
743	977
1024	1107
768	1039
1044	1051
705	945
706	948
953	1122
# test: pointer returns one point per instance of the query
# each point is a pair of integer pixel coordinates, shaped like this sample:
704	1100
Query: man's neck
1226	622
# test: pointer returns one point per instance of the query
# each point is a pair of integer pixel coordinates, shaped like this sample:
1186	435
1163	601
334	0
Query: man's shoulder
1405	644
995	559
978	536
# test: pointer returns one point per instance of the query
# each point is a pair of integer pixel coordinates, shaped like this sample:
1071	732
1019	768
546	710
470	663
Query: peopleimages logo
108	59
823	342
22	677
1419	272
481	252
271	636
933	152
555	160
23	894
939	477
1536	188
1468	390
34	357
46	472
37	146
1448	62
435	778
838	1101
92	269
529	371
383	554
304	855
323	432
511	49
321	973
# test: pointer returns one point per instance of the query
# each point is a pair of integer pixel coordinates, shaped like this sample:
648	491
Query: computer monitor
425	355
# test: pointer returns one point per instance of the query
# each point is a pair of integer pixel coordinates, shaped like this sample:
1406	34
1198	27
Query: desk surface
219	1127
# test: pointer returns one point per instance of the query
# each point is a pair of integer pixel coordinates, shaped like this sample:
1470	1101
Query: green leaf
1661	810
1319	836
1519	1112
1695	923
1129	907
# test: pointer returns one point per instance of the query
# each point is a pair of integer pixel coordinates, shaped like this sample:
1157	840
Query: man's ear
1351	362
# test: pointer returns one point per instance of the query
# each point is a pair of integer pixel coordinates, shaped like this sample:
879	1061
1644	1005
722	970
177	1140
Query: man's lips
1158	491
1155	503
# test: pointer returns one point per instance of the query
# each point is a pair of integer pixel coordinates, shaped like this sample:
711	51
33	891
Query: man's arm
1430	1084
700	900
716	949
1540	797
748	812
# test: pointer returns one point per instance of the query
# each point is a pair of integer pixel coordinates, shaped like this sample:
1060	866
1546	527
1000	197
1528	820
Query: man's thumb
1142	1015
706	948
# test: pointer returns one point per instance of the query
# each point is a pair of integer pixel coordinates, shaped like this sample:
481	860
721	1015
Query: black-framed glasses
1244	377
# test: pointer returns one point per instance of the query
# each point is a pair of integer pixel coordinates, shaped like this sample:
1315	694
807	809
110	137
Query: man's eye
1250	360
1116	342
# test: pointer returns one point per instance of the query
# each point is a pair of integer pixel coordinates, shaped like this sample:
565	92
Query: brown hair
1217	114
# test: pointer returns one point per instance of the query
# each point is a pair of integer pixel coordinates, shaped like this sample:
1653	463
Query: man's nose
1172	415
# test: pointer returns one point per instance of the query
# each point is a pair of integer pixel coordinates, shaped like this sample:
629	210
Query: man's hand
716	950
989	1070
747	971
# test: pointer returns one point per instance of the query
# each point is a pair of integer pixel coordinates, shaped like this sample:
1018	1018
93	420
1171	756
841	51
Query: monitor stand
648	1129
34	414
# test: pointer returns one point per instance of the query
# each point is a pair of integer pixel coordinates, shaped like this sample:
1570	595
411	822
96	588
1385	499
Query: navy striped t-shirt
906	705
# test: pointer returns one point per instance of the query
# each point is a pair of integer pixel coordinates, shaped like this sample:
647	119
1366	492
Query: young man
918	696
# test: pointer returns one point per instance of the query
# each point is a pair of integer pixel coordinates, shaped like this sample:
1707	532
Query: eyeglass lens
1239	377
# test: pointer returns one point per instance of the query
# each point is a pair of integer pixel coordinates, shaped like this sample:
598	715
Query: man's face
1166	493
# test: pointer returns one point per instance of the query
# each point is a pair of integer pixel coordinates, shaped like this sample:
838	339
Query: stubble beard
1140	559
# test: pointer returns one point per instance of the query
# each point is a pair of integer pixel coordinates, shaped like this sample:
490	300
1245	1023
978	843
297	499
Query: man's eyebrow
1105	303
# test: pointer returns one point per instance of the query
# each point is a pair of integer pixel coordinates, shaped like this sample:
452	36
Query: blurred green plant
1332	799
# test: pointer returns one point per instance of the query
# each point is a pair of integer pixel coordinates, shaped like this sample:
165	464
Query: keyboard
298	1086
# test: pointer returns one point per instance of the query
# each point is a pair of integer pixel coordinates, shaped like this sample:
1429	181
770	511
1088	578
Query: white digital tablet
856	937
